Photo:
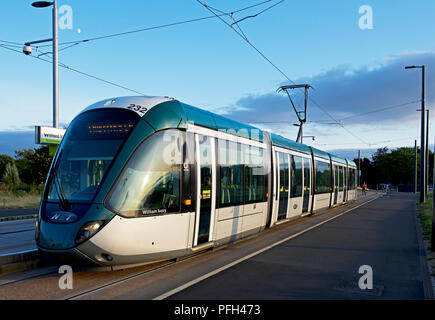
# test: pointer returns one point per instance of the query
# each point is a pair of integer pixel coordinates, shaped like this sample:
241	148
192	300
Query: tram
143	179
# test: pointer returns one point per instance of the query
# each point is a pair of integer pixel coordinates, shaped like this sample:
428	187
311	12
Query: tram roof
319	153
282	142
164	112
337	159
351	163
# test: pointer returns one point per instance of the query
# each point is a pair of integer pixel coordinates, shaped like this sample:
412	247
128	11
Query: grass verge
425	215
9	200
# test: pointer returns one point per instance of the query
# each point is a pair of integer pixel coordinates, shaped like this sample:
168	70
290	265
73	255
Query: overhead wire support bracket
302	119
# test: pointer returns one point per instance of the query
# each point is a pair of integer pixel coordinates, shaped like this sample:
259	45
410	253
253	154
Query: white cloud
346	92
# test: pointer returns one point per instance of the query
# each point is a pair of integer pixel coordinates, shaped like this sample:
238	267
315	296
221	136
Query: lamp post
44	4
432	247
415	167
422	145
427	153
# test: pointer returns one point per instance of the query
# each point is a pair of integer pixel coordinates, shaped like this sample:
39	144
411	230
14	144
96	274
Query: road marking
212	273
26	230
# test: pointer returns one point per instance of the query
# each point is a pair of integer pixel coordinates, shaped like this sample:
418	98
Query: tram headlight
88	230
37	230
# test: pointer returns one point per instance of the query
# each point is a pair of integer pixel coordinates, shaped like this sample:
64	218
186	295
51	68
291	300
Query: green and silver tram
140	179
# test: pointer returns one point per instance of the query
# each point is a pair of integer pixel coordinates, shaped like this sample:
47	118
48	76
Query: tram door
346	183
206	188
307	184
336	183
283	185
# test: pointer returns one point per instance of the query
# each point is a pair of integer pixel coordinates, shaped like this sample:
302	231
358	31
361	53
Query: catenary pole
359	167
55	69
433	212
422	146
427	153
415	167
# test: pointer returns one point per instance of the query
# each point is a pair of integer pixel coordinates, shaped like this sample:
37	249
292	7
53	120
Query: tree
368	173
395	167
4	160
33	164
11	177
379	155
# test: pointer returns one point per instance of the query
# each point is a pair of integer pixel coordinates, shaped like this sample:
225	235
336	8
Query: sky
362	97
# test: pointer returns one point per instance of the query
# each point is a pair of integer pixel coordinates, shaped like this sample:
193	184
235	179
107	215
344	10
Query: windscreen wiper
63	201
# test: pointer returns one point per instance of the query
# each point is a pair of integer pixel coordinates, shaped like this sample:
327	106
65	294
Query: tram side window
355	174
323	177
340	172
352	179
254	173
296	176
150	181
231	172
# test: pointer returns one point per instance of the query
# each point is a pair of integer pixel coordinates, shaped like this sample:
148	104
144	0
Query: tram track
53	270
36	273
17	231
196	255
117	280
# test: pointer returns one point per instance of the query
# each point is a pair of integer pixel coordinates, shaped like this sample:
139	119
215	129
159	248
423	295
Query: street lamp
41	4
422	145
27	50
427	153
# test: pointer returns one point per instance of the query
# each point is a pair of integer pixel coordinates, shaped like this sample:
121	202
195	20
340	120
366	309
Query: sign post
49	136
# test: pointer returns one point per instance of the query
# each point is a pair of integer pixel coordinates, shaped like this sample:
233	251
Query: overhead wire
159	26
373	144
255	15
10	44
282	72
241	34
382	109
78	71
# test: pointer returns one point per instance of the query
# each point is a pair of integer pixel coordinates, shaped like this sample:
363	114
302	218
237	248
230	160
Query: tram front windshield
86	152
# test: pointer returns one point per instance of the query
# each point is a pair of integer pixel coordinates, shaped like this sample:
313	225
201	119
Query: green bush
425	215
11	177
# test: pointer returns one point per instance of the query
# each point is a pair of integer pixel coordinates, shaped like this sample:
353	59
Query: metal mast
302	115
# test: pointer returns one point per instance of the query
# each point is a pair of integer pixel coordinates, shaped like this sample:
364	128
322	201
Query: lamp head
413	67
27	49
42	4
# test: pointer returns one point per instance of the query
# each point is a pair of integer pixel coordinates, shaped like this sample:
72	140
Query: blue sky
207	65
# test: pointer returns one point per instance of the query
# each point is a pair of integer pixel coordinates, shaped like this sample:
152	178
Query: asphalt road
18	212
315	257
324	263
17	236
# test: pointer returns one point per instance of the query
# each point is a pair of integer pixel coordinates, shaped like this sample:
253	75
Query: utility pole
422	145
55	69
415	167
427	153
422	155
359	167
433	212
28	50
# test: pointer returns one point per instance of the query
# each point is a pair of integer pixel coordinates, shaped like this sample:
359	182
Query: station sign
48	135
